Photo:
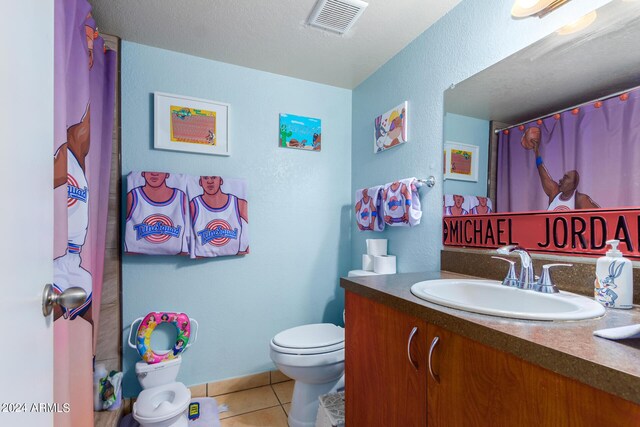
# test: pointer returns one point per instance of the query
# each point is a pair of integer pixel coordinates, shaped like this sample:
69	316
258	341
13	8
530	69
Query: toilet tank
158	374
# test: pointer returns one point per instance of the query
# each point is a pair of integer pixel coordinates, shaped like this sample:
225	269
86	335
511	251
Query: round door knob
69	299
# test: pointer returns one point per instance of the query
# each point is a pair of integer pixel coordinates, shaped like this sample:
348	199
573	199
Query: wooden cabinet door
480	386
384	387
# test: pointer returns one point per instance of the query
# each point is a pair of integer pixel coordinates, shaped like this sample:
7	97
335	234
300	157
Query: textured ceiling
271	35
593	63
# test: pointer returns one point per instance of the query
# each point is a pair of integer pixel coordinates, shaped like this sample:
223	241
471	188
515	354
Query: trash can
331	410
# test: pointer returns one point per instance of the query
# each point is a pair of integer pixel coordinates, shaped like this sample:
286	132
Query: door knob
69	299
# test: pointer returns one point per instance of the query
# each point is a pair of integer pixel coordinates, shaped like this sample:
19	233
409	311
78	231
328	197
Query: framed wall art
304	133
461	161
390	128
193	125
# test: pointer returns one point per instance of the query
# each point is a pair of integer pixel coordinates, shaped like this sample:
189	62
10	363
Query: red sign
581	232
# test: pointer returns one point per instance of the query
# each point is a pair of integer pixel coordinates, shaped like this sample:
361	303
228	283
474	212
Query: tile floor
264	406
259	400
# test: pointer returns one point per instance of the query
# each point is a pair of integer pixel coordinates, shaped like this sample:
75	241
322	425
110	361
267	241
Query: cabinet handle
411	334
436	377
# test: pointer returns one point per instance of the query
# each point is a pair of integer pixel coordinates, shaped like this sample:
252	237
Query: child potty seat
143	342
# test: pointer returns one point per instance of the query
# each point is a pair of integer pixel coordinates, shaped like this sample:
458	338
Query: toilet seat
310	339
161	403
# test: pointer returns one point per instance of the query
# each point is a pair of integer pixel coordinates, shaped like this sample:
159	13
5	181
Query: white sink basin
491	297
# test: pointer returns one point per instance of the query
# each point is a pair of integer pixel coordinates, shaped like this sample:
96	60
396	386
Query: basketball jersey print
216	231
395	204
365	216
557	204
157	228
77	203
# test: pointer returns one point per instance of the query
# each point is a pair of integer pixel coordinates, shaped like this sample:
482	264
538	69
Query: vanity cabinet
469	384
386	377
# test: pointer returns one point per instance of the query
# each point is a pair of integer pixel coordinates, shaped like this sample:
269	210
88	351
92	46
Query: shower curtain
84	78
589	153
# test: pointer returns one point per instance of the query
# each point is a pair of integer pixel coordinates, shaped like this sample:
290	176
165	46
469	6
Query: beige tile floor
260	400
264	406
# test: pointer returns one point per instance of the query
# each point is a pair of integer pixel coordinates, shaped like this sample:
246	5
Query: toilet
312	355
163	402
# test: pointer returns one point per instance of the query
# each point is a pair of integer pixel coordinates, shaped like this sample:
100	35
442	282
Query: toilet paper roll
367	262
384	264
376	247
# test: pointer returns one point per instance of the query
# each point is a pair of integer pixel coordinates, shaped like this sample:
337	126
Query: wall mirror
534	117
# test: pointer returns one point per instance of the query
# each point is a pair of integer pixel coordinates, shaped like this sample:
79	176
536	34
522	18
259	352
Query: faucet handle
545	284
510	279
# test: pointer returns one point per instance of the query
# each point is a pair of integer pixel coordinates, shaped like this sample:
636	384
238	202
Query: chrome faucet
527	279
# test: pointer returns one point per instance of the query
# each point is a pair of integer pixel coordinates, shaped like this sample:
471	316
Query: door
26	215
384	366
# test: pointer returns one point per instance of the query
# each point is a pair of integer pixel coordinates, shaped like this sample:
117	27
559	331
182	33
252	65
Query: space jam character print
156	218
219	221
69	166
366	213
604	289
563	194
395	197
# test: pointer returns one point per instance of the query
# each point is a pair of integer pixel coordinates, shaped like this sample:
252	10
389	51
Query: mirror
553	74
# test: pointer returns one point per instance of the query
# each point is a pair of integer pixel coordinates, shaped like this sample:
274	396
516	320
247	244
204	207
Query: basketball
530	138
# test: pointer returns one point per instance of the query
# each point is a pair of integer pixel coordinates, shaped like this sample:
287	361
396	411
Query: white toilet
163	402
312	355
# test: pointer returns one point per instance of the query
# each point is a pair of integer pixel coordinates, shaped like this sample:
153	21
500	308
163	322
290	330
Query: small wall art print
300	132
191	124
390	128
461	161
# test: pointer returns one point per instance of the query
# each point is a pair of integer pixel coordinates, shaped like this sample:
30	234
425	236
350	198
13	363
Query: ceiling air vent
336	15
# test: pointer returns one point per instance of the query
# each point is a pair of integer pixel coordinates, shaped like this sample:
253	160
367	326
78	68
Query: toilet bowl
313	356
163	402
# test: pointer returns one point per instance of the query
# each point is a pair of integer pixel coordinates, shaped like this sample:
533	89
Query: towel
157	221
401	203
368	209
620	333
219	218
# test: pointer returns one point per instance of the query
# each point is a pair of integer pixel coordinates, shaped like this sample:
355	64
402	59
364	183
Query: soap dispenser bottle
614	279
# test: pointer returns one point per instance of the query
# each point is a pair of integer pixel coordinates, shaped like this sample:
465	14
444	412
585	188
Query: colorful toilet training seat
180	321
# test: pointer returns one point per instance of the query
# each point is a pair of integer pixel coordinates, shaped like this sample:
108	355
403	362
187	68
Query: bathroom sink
491	297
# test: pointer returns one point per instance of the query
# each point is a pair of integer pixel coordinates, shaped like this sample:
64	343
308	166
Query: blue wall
298	213
468	130
473	36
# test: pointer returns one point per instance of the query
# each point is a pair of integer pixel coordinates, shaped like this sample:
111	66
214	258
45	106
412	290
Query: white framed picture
192	125
461	161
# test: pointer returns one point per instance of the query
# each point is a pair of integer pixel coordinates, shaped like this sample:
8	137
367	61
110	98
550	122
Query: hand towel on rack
401	203
368	209
219	218
157	221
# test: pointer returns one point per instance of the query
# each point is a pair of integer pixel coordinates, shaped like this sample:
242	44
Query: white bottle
614	279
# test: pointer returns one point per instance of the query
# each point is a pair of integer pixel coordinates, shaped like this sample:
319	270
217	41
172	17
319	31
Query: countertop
568	348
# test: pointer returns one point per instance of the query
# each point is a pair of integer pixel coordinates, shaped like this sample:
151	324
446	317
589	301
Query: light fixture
578	25
539	8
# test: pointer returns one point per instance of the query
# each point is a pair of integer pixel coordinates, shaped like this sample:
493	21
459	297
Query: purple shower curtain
600	140
84	78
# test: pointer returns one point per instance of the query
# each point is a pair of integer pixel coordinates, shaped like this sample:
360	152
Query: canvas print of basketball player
69	168
456	209
482	208
218	220
563	195
156	218
366	213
